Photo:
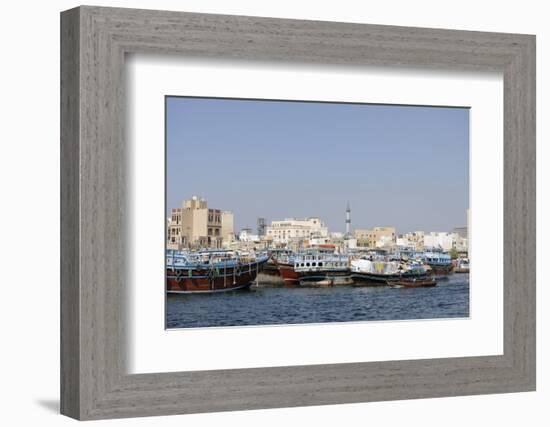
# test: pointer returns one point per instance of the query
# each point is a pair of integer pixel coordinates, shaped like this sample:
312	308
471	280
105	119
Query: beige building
376	237
174	236
228	232
292	229
195	225
413	240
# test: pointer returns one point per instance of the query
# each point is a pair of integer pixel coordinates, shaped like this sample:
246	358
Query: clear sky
402	166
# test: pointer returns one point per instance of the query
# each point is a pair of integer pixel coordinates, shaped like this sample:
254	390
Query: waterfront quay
205	254
296	270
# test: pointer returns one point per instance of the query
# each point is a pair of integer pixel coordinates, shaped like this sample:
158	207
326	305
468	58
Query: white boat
462	265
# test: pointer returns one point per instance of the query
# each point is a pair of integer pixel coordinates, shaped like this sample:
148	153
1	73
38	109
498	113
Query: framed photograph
261	213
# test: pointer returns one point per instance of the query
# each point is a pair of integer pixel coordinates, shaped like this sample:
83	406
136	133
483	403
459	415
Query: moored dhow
270	267
440	263
210	271
413	283
315	268
379	271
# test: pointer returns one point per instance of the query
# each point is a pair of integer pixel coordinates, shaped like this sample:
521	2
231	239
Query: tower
261	227
348	220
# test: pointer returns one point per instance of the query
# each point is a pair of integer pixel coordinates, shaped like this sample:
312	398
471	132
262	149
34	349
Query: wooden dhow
210	271
377	272
315	268
412	283
439	262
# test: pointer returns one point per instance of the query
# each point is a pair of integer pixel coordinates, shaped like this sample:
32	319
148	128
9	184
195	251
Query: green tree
454	253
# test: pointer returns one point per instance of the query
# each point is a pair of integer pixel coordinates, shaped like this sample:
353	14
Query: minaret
348	220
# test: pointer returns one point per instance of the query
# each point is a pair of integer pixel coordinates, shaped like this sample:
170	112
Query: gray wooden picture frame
94	41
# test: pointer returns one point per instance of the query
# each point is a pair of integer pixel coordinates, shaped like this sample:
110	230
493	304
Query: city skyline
253	227
402	166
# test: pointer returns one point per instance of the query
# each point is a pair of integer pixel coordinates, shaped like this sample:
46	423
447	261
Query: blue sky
402	166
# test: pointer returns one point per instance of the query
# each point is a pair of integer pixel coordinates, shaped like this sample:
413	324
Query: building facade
228	232
293	229
247	235
196	226
419	240
412	241
376	237
445	241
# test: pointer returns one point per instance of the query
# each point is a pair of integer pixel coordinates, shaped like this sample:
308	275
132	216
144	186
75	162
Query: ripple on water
277	305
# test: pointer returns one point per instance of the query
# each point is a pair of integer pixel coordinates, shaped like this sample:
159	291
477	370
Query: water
269	305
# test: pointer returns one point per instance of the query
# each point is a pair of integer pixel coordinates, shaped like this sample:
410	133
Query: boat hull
373	279
270	268
212	291
440	269
210	280
411	283
321	278
327	281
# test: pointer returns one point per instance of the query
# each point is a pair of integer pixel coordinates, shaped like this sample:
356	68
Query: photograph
282	212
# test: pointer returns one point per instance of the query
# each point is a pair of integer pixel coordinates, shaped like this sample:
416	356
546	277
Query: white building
246	236
292	229
350	243
443	240
319	240
403	242
461	244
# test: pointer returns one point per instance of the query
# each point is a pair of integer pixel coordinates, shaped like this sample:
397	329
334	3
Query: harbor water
269	304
